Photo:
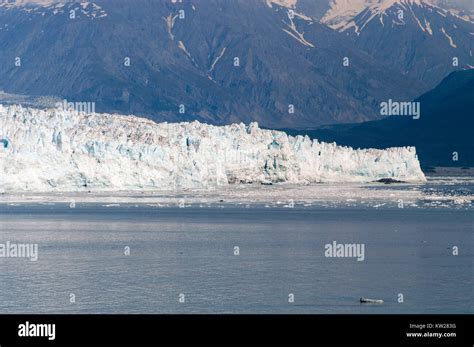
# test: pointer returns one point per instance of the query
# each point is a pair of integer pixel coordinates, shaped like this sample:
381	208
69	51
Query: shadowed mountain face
442	134
218	61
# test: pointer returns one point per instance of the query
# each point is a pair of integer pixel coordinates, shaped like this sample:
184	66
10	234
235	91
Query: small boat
371	301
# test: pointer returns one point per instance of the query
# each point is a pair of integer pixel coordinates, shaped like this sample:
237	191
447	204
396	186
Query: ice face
56	150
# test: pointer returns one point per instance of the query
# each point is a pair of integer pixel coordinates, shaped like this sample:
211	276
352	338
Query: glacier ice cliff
56	150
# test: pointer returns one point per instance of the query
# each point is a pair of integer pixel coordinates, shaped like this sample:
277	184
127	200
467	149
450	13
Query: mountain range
283	63
418	37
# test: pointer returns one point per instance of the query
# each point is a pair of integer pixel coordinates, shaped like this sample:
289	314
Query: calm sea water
191	251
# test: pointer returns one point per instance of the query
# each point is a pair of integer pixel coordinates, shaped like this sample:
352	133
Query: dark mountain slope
446	126
190	62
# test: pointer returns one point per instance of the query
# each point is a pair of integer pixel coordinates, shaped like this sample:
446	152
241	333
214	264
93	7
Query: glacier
62	150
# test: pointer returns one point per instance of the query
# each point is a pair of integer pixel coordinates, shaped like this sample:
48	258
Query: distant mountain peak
357	14
342	13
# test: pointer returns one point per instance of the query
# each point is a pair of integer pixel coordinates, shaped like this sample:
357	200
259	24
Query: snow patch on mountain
170	24
283	3
217	59
450	39
19	3
56	150
293	32
342	12
291	29
42	7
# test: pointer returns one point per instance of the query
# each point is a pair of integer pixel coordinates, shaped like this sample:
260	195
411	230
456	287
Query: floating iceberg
55	150
371	301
